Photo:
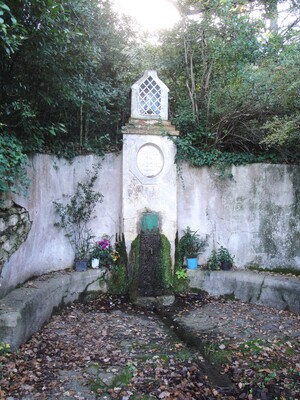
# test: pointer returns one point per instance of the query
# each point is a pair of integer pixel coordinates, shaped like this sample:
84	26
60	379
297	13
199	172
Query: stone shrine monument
149	98
149	172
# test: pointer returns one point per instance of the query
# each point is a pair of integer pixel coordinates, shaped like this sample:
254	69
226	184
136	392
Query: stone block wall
15	225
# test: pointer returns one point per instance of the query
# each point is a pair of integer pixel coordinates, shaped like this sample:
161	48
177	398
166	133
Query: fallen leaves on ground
109	349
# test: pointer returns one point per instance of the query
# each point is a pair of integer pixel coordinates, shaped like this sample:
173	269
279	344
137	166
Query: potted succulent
225	259
192	245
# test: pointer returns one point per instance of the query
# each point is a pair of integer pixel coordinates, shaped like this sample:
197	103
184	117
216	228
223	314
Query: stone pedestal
149	177
149	171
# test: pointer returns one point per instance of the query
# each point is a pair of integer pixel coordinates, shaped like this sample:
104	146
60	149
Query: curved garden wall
252	210
46	248
276	291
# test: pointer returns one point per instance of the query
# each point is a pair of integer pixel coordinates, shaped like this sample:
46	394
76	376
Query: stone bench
26	309
277	291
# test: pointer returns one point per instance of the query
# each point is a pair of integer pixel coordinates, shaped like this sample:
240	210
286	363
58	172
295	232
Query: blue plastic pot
192	263
80	265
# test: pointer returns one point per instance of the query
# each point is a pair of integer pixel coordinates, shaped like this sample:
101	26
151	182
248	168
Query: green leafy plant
12	165
5	349
223	255
181	274
192	244
218	257
213	263
76	214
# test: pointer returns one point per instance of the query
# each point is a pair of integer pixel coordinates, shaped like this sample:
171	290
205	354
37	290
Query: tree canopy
232	67
63	72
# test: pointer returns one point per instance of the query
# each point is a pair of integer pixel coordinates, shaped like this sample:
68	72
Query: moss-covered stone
166	263
15	225
134	266
118	281
150	266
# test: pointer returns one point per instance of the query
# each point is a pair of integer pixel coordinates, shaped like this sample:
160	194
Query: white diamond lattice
149	97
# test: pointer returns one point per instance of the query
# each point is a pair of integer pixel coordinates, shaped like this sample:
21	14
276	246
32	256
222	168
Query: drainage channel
168	316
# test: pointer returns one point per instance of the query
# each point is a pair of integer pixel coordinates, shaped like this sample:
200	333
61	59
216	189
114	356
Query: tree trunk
271	8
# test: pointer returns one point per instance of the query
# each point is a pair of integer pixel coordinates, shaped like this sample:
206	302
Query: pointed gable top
149	98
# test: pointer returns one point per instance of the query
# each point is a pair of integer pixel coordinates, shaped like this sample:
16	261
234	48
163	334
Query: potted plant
82	252
225	259
213	262
75	215
103	252
95	256
192	245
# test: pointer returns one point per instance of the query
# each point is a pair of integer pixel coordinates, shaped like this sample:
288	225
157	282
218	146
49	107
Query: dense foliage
64	78
12	165
64	73
232	67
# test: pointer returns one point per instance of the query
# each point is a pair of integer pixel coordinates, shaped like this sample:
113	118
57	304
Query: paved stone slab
280	292
23	311
234	319
109	355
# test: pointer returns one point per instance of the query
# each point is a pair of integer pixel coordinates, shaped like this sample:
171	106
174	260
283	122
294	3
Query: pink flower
104	244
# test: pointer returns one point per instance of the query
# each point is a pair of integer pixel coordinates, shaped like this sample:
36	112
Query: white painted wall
46	248
256	214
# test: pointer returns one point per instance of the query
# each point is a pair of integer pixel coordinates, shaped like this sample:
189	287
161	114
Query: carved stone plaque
150	160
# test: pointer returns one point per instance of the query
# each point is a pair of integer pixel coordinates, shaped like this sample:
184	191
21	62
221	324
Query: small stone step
154	302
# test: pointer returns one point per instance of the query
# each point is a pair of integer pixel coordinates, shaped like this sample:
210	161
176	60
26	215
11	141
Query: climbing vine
187	150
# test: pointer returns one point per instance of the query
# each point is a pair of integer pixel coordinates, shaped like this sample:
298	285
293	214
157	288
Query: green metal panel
150	222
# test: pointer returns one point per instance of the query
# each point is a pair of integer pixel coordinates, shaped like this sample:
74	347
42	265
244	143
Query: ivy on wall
12	166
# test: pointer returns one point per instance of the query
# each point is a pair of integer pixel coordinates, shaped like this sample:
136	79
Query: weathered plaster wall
141	193
255	214
46	248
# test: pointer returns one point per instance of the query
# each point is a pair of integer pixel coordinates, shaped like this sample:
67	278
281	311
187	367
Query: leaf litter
109	349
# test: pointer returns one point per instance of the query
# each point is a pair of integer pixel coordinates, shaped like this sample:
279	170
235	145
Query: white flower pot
95	263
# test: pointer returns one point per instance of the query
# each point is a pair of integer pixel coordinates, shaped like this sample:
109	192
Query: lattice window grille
149	97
